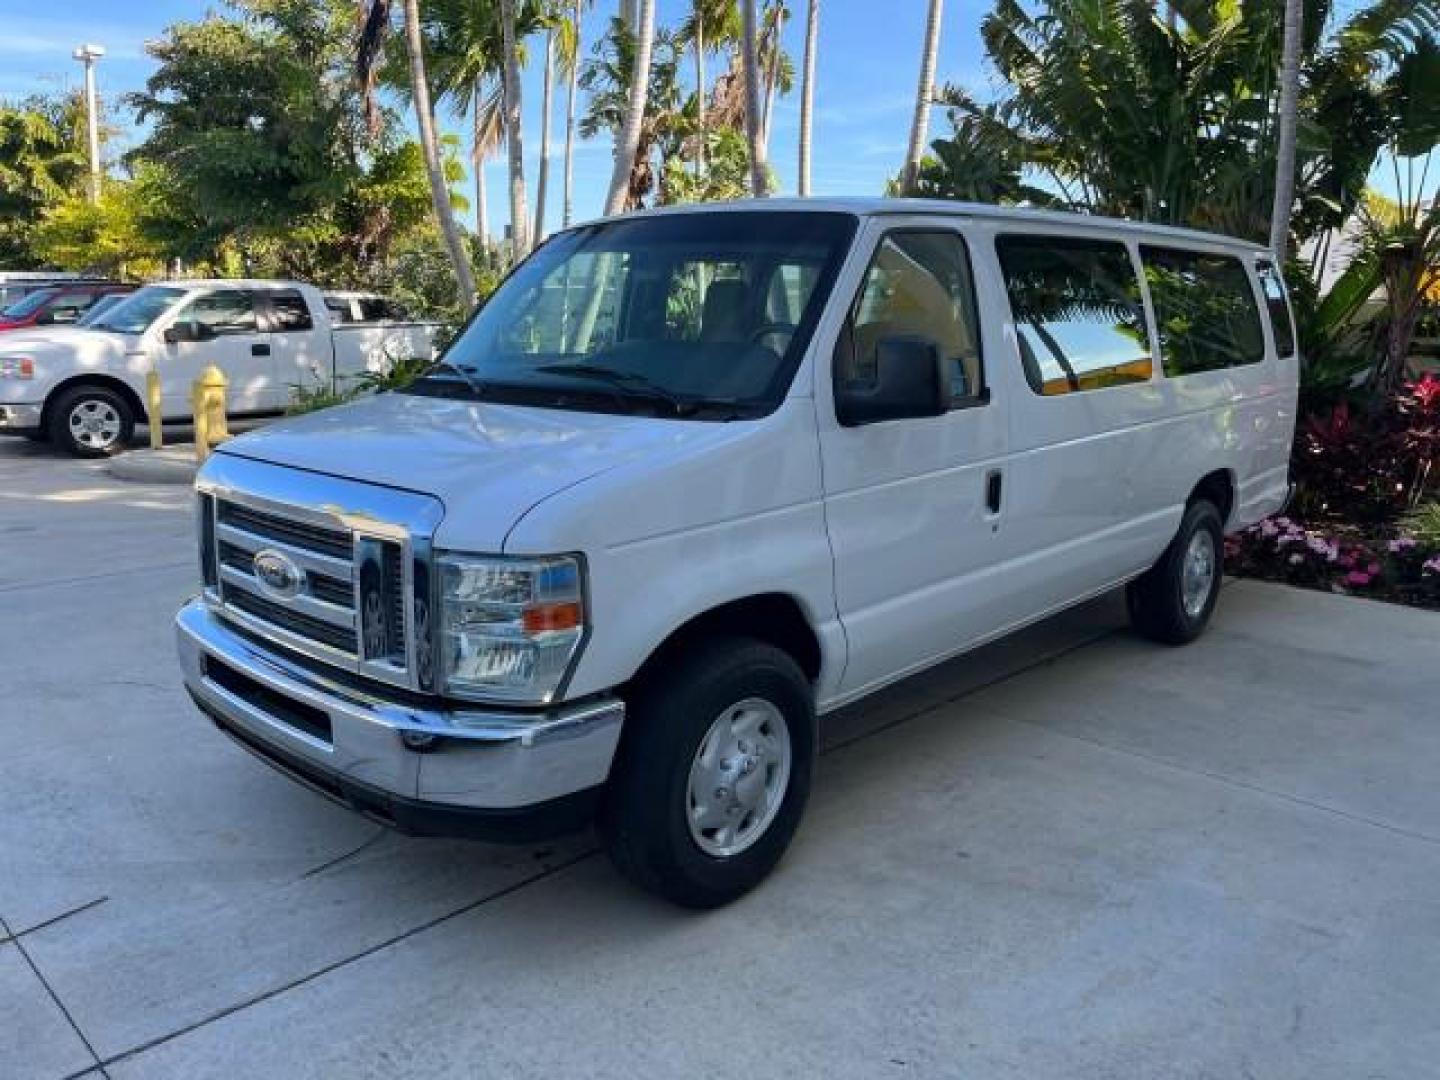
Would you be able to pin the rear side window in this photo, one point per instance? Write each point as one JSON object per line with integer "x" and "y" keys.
{"x": 1204, "y": 310}
{"x": 379, "y": 309}
{"x": 918, "y": 284}
{"x": 1077, "y": 310}
{"x": 288, "y": 312}
{"x": 1278, "y": 307}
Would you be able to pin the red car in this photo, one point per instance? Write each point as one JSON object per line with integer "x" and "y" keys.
{"x": 57, "y": 304}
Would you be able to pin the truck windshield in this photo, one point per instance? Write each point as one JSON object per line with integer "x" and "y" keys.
{"x": 700, "y": 314}
{"x": 28, "y": 305}
{"x": 136, "y": 312}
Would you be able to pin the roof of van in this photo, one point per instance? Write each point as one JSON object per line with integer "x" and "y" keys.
{"x": 875, "y": 206}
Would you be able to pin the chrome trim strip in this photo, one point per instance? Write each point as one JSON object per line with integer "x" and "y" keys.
{"x": 302, "y": 604}
{"x": 306, "y": 559}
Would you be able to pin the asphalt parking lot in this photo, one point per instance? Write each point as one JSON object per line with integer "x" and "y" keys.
{"x": 1073, "y": 854}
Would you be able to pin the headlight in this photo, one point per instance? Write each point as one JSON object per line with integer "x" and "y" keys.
{"x": 17, "y": 367}
{"x": 510, "y": 627}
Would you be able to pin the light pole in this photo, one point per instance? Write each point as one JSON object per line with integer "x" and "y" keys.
{"x": 87, "y": 55}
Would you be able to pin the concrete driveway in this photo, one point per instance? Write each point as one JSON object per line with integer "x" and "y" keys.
{"x": 1074, "y": 854}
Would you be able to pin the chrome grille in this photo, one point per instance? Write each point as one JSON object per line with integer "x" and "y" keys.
{"x": 326, "y": 567}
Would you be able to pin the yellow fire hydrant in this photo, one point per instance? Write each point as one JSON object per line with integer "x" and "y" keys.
{"x": 153, "y": 404}
{"x": 207, "y": 402}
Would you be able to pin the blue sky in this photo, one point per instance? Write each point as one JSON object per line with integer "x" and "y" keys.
{"x": 865, "y": 83}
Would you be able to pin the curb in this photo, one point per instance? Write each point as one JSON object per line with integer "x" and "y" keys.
{"x": 168, "y": 465}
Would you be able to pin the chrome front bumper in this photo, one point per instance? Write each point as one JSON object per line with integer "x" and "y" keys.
{"x": 489, "y": 773}
{"x": 20, "y": 417}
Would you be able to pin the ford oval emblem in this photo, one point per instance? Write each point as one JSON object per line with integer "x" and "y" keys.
{"x": 277, "y": 574}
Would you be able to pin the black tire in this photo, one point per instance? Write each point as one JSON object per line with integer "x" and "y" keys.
{"x": 1156, "y": 599}
{"x": 644, "y": 820}
{"x": 102, "y": 400}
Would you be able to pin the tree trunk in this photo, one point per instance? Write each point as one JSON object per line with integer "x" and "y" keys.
{"x": 477, "y": 160}
{"x": 919, "y": 129}
{"x": 568, "y": 209}
{"x": 807, "y": 95}
{"x": 1289, "y": 118}
{"x": 519, "y": 223}
{"x": 430, "y": 147}
{"x": 759, "y": 181}
{"x": 699, "y": 91}
{"x": 629, "y": 140}
{"x": 772, "y": 77}
{"x": 546, "y": 96}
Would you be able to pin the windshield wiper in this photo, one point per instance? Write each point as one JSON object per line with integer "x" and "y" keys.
{"x": 476, "y": 386}
{"x": 629, "y": 381}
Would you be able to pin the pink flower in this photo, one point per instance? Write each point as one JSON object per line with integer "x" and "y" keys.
{"x": 1401, "y": 543}
{"x": 1431, "y": 566}
{"x": 1357, "y": 577}
{"x": 1373, "y": 569}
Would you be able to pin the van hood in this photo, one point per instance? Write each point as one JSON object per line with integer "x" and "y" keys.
{"x": 493, "y": 461}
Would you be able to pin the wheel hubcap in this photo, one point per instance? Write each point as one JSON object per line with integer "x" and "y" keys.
{"x": 94, "y": 424}
{"x": 738, "y": 778}
{"x": 1197, "y": 575}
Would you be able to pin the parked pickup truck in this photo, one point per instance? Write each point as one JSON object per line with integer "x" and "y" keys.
{"x": 83, "y": 388}
{"x": 692, "y": 478}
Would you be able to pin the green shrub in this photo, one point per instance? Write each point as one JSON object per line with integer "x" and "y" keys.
{"x": 1423, "y": 523}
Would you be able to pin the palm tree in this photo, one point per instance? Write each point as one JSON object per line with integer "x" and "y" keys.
{"x": 519, "y": 223}
{"x": 919, "y": 129}
{"x": 807, "y": 95}
{"x": 629, "y": 140}
{"x": 546, "y": 108}
{"x": 487, "y": 117}
{"x": 570, "y": 64}
{"x": 1287, "y": 121}
{"x": 375, "y": 29}
{"x": 709, "y": 24}
{"x": 759, "y": 181}
{"x": 779, "y": 73}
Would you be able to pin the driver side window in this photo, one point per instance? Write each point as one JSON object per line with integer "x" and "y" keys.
{"x": 918, "y": 285}
{"x": 229, "y": 312}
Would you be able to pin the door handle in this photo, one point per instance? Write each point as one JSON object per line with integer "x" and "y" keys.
{"x": 260, "y": 350}
{"x": 993, "y": 491}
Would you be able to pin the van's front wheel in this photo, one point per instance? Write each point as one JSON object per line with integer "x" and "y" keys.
{"x": 713, "y": 773}
{"x": 1173, "y": 600}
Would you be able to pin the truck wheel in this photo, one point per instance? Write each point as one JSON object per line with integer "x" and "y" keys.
{"x": 1172, "y": 601}
{"x": 713, "y": 773}
{"x": 91, "y": 421}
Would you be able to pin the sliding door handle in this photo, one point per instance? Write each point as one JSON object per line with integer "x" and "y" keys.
{"x": 260, "y": 350}
{"x": 993, "y": 491}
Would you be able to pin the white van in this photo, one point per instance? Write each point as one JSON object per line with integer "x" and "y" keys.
{"x": 83, "y": 387}
{"x": 693, "y": 478}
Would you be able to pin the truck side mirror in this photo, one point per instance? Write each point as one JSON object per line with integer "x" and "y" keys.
{"x": 189, "y": 330}
{"x": 907, "y": 384}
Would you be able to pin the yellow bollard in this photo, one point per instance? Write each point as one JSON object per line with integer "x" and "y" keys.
{"x": 202, "y": 416}
{"x": 207, "y": 403}
{"x": 152, "y": 399}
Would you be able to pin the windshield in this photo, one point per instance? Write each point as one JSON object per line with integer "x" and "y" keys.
{"x": 681, "y": 315}
{"x": 136, "y": 312}
{"x": 99, "y": 307}
{"x": 28, "y": 305}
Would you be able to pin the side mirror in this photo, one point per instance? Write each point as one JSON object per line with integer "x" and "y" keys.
{"x": 908, "y": 384}
{"x": 188, "y": 331}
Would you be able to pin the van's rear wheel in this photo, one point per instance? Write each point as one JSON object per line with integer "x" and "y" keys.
{"x": 1173, "y": 600}
{"x": 91, "y": 421}
{"x": 713, "y": 773}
